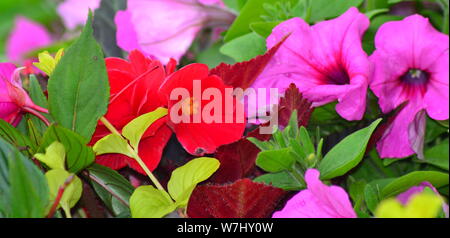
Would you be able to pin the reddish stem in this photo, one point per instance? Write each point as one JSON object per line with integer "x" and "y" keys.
{"x": 37, "y": 114}
{"x": 59, "y": 195}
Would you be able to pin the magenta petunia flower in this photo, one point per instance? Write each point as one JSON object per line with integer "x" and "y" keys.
{"x": 75, "y": 12}
{"x": 14, "y": 100}
{"x": 404, "y": 197}
{"x": 325, "y": 61}
{"x": 25, "y": 37}
{"x": 318, "y": 201}
{"x": 164, "y": 28}
{"x": 410, "y": 64}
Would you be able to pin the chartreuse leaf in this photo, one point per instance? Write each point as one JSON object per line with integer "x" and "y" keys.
{"x": 72, "y": 192}
{"x": 54, "y": 156}
{"x": 149, "y": 202}
{"x": 398, "y": 185}
{"x": 78, "y": 155}
{"x": 134, "y": 130}
{"x": 264, "y": 29}
{"x": 275, "y": 160}
{"x": 185, "y": 178}
{"x": 23, "y": 189}
{"x": 78, "y": 90}
{"x": 347, "y": 153}
{"x": 423, "y": 205}
{"x": 112, "y": 144}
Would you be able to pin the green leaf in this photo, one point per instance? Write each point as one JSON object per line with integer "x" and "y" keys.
{"x": 401, "y": 184}
{"x": 438, "y": 155}
{"x": 275, "y": 160}
{"x": 149, "y": 202}
{"x": 72, "y": 192}
{"x": 264, "y": 29}
{"x": 213, "y": 57}
{"x": 134, "y": 130}
{"x": 54, "y": 156}
{"x": 185, "y": 178}
{"x": 13, "y": 136}
{"x": 372, "y": 192}
{"x": 347, "y": 153}
{"x": 250, "y": 13}
{"x": 23, "y": 187}
{"x": 111, "y": 187}
{"x": 78, "y": 90}
{"x": 112, "y": 144}
{"x": 375, "y": 12}
{"x": 281, "y": 180}
{"x": 326, "y": 9}
{"x": 78, "y": 155}
{"x": 305, "y": 139}
{"x": 245, "y": 47}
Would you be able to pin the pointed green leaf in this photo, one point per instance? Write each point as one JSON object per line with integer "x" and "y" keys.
{"x": 78, "y": 89}
{"x": 275, "y": 160}
{"x": 185, "y": 178}
{"x": 401, "y": 184}
{"x": 23, "y": 188}
{"x": 72, "y": 192}
{"x": 54, "y": 156}
{"x": 149, "y": 202}
{"x": 134, "y": 130}
{"x": 281, "y": 180}
{"x": 305, "y": 139}
{"x": 13, "y": 136}
{"x": 347, "y": 153}
{"x": 78, "y": 154}
{"x": 112, "y": 144}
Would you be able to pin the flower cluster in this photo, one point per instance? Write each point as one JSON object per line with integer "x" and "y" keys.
{"x": 219, "y": 109}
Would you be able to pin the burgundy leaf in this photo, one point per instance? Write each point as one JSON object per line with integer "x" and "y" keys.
{"x": 293, "y": 100}
{"x": 242, "y": 199}
{"x": 243, "y": 74}
{"x": 237, "y": 160}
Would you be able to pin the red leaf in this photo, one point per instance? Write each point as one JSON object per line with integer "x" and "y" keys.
{"x": 242, "y": 199}
{"x": 243, "y": 74}
{"x": 237, "y": 160}
{"x": 293, "y": 100}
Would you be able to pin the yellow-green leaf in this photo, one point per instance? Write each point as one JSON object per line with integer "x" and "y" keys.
{"x": 185, "y": 178}
{"x": 54, "y": 156}
{"x": 112, "y": 144}
{"x": 134, "y": 130}
{"x": 149, "y": 202}
{"x": 72, "y": 193}
{"x": 424, "y": 205}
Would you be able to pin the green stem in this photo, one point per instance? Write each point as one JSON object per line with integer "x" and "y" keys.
{"x": 137, "y": 158}
{"x": 298, "y": 175}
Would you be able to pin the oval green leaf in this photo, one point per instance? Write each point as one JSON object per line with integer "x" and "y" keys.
{"x": 185, "y": 178}
{"x": 72, "y": 192}
{"x": 275, "y": 160}
{"x": 112, "y": 144}
{"x": 149, "y": 202}
{"x": 347, "y": 153}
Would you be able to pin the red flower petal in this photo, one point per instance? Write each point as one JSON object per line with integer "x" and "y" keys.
{"x": 242, "y": 199}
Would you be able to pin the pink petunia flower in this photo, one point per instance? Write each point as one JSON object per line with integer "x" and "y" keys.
{"x": 404, "y": 197}
{"x": 318, "y": 201}
{"x": 165, "y": 28}
{"x": 410, "y": 64}
{"x": 25, "y": 37}
{"x": 325, "y": 61}
{"x": 14, "y": 100}
{"x": 75, "y": 12}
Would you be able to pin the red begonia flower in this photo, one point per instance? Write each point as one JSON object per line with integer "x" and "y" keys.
{"x": 202, "y": 136}
{"x": 133, "y": 89}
